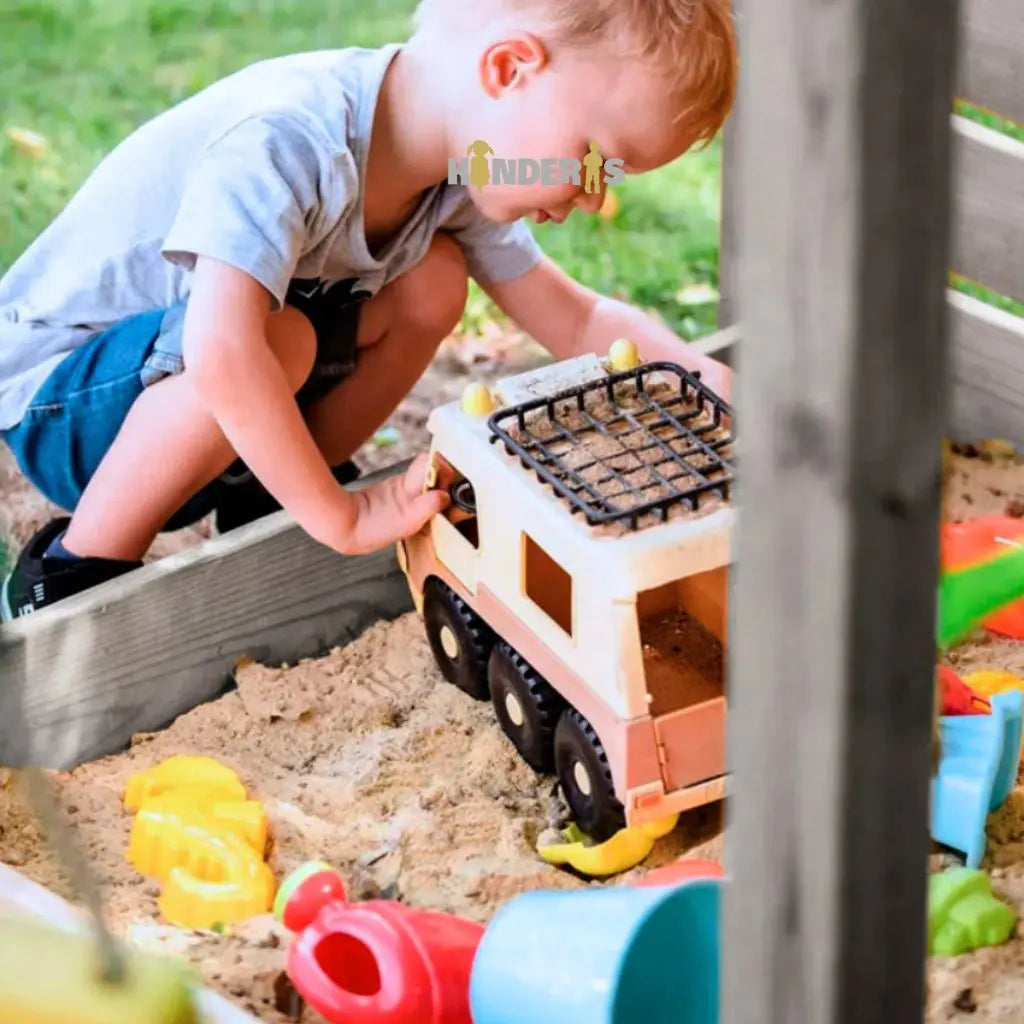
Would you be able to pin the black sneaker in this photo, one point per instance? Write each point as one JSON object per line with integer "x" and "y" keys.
{"x": 38, "y": 581}
{"x": 243, "y": 499}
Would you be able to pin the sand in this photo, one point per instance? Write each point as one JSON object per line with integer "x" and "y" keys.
{"x": 987, "y": 984}
{"x": 684, "y": 663}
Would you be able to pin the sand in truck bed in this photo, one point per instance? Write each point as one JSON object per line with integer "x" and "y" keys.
{"x": 366, "y": 758}
{"x": 643, "y": 448}
{"x": 684, "y": 663}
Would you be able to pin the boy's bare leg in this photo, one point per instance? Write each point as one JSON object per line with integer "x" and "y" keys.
{"x": 168, "y": 449}
{"x": 400, "y": 329}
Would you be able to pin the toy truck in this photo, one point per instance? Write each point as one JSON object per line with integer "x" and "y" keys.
{"x": 578, "y": 579}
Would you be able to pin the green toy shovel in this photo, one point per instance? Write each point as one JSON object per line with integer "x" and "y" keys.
{"x": 969, "y": 595}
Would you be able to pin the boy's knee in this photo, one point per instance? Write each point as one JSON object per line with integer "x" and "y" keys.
{"x": 433, "y": 293}
{"x": 292, "y": 339}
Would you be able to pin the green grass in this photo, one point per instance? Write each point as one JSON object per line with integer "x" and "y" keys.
{"x": 990, "y": 120}
{"x": 84, "y": 73}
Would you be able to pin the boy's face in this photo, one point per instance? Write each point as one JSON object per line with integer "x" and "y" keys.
{"x": 533, "y": 102}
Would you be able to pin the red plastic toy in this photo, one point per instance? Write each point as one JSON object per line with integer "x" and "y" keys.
{"x": 681, "y": 871}
{"x": 957, "y": 697}
{"x": 384, "y": 963}
{"x": 377, "y": 962}
{"x": 973, "y": 541}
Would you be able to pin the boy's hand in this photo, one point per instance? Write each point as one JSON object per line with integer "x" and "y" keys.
{"x": 245, "y": 388}
{"x": 569, "y": 319}
{"x": 391, "y": 510}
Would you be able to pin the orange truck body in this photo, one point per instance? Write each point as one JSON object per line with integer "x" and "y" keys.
{"x": 575, "y": 602}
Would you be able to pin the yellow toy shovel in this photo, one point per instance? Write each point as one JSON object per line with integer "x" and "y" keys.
{"x": 627, "y": 848}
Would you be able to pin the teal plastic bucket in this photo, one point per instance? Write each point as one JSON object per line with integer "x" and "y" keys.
{"x": 602, "y": 956}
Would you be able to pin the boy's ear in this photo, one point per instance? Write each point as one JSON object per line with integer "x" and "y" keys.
{"x": 508, "y": 63}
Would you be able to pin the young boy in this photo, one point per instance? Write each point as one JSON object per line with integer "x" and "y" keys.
{"x": 246, "y": 288}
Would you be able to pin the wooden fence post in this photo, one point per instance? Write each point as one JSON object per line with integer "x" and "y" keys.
{"x": 844, "y": 248}
{"x": 728, "y": 241}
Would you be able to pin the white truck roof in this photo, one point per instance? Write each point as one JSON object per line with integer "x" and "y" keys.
{"x": 630, "y": 557}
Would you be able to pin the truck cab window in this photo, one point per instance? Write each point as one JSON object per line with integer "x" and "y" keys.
{"x": 462, "y": 511}
{"x": 547, "y": 584}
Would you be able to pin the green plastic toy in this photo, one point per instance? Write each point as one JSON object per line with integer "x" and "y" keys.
{"x": 963, "y": 914}
{"x": 968, "y": 596}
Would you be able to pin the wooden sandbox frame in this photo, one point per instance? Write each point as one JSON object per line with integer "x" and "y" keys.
{"x": 846, "y": 187}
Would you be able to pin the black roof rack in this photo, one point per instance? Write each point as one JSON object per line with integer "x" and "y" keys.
{"x": 623, "y": 447}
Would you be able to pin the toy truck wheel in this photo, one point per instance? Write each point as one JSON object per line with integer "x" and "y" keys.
{"x": 586, "y": 778}
{"x": 459, "y": 639}
{"x": 526, "y": 706}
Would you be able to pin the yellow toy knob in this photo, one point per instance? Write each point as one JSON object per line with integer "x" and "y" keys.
{"x": 623, "y": 355}
{"x": 477, "y": 400}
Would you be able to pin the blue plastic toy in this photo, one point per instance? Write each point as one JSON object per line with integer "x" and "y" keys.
{"x": 980, "y": 755}
{"x": 605, "y": 956}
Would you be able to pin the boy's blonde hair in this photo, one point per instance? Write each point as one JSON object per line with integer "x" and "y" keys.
{"x": 692, "y": 41}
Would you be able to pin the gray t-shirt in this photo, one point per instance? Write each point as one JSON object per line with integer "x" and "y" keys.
{"x": 263, "y": 170}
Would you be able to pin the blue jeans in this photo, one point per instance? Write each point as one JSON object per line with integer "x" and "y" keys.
{"x": 80, "y": 408}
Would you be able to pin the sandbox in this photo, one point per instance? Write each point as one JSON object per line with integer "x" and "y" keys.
{"x": 366, "y": 758}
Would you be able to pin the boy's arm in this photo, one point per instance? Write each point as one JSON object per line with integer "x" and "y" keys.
{"x": 246, "y": 391}
{"x": 253, "y": 201}
{"x": 569, "y": 319}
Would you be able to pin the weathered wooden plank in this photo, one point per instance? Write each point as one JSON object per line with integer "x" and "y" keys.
{"x": 721, "y": 344}
{"x": 987, "y": 350}
{"x": 988, "y": 207}
{"x": 991, "y": 58}
{"x": 988, "y": 371}
{"x": 844, "y": 234}
{"x": 132, "y": 655}
{"x": 988, "y": 230}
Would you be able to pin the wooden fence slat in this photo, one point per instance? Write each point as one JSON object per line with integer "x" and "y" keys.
{"x": 988, "y": 371}
{"x": 991, "y": 57}
{"x": 721, "y": 345}
{"x": 844, "y": 246}
{"x": 133, "y": 654}
{"x": 988, "y": 233}
{"x": 987, "y": 352}
{"x": 988, "y": 207}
